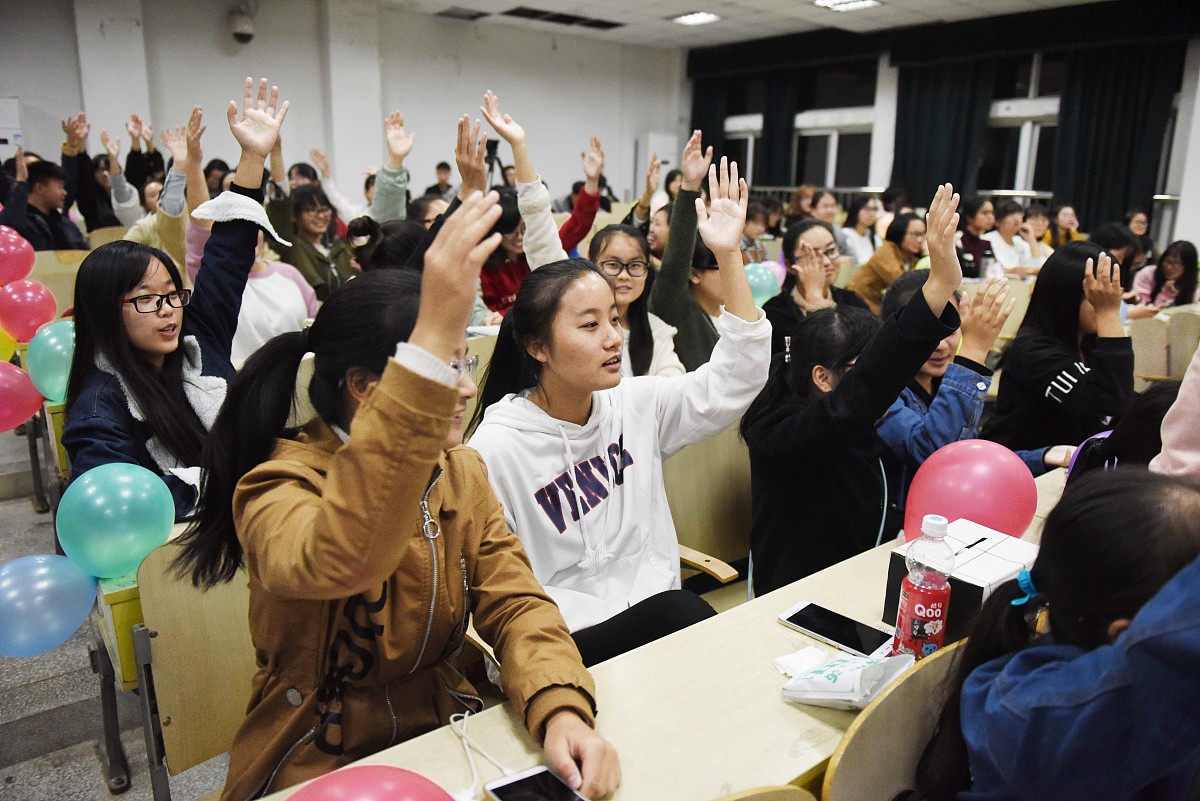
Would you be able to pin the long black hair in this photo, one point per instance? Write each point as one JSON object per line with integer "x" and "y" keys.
{"x": 1137, "y": 437}
{"x": 104, "y": 277}
{"x": 898, "y": 228}
{"x": 1185, "y": 251}
{"x": 1054, "y": 303}
{"x": 790, "y": 238}
{"x": 1059, "y": 236}
{"x": 358, "y": 326}
{"x": 1109, "y": 545}
{"x": 858, "y": 203}
{"x": 641, "y": 338}
{"x": 831, "y": 338}
{"x": 531, "y": 318}
{"x": 388, "y": 246}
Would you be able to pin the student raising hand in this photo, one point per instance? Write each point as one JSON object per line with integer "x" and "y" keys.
{"x": 257, "y": 131}
{"x": 945, "y": 273}
{"x": 1102, "y": 289}
{"x": 721, "y": 227}
{"x": 695, "y": 163}
{"x": 452, "y": 265}
{"x": 982, "y": 318}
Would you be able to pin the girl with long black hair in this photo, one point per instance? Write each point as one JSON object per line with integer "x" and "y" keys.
{"x": 1079, "y": 677}
{"x": 623, "y": 254}
{"x": 369, "y": 536}
{"x": 147, "y": 379}
{"x": 1069, "y": 372}
{"x": 1171, "y": 282}
{"x": 811, "y": 432}
{"x": 575, "y": 451}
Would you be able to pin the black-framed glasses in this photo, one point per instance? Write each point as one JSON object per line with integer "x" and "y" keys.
{"x": 832, "y": 253}
{"x": 466, "y": 367}
{"x": 613, "y": 267}
{"x": 149, "y": 304}
{"x": 319, "y": 211}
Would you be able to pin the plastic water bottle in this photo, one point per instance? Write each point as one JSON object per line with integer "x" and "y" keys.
{"x": 925, "y": 592}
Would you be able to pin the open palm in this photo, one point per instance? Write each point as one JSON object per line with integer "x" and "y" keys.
{"x": 502, "y": 123}
{"x": 258, "y": 129}
{"x": 399, "y": 142}
{"x": 695, "y": 162}
{"x": 722, "y": 223}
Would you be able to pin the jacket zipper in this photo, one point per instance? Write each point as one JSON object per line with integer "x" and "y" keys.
{"x": 387, "y": 697}
{"x": 266, "y": 788}
{"x": 430, "y": 528}
{"x": 462, "y": 565}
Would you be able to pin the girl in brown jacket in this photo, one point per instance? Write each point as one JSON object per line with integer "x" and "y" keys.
{"x": 370, "y": 535}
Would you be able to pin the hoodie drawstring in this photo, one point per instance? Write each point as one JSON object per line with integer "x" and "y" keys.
{"x": 593, "y": 555}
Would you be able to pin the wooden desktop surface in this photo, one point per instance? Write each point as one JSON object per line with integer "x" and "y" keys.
{"x": 698, "y": 714}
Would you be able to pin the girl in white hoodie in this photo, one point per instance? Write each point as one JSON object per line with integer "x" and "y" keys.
{"x": 575, "y": 451}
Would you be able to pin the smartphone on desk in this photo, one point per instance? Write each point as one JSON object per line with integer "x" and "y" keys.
{"x": 860, "y": 639}
{"x": 536, "y": 784}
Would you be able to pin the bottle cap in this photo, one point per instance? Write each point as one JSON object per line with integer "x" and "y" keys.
{"x": 934, "y": 526}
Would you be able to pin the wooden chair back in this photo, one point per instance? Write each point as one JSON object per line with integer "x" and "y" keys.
{"x": 1163, "y": 344}
{"x": 102, "y": 236}
{"x": 877, "y": 757}
{"x": 708, "y": 490}
{"x": 785, "y": 792}
{"x": 202, "y": 659}
{"x": 56, "y": 269}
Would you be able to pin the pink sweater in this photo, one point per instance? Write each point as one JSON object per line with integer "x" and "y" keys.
{"x": 1180, "y": 456}
{"x": 1143, "y": 285}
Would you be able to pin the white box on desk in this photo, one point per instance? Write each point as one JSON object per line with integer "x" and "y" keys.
{"x": 984, "y": 558}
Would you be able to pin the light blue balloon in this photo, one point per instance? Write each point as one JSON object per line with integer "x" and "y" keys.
{"x": 48, "y": 361}
{"x": 112, "y": 516}
{"x": 43, "y": 600}
{"x": 763, "y": 285}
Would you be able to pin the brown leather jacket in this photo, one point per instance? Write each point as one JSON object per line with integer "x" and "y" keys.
{"x": 365, "y": 560}
{"x": 873, "y": 278}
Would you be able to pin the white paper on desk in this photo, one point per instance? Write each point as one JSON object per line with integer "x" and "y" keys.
{"x": 801, "y": 661}
{"x": 483, "y": 330}
{"x": 846, "y": 682}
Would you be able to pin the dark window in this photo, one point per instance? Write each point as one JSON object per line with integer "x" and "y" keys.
{"x": 853, "y": 159}
{"x": 838, "y": 86}
{"x": 812, "y": 152}
{"x": 738, "y": 149}
{"x": 746, "y": 97}
{"x": 1012, "y": 77}
{"x": 1053, "y": 75}
{"x": 1043, "y": 162}
{"x": 998, "y": 159}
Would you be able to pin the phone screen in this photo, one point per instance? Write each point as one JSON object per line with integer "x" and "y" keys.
{"x": 541, "y": 786}
{"x": 829, "y": 624}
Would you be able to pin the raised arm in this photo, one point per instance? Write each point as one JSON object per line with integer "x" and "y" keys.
{"x": 669, "y": 298}
{"x": 640, "y": 213}
{"x": 391, "y": 183}
{"x": 125, "y": 201}
{"x": 587, "y": 204}
{"x": 721, "y": 228}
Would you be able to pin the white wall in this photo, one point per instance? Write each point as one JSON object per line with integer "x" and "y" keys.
{"x": 39, "y": 64}
{"x": 560, "y": 88}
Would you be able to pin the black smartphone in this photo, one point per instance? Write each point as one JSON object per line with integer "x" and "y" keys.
{"x": 838, "y": 630}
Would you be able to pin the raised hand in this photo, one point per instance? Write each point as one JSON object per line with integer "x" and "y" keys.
{"x": 22, "y": 167}
{"x": 77, "y": 128}
{"x": 452, "y": 266}
{"x": 695, "y": 163}
{"x": 945, "y": 273}
{"x": 148, "y": 136}
{"x": 195, "y": 130}
{"x": 470, "y": 151}
{"x": 134, "y": 127}
{"x": 111, "y": 146}
{"x": 721, "y": 224}
{"x": 593, "y": 161}
{"x": 503, "y": 124}
{"x": 983, "y": 317}
{"x": 652, "y": 176}
{"x": 321, "y": 162}
{"x": 399, "y": 143}
{"x": 1102, "y": 289}
{"x": 258, "y": 129}
{"x": 175, "y": 141}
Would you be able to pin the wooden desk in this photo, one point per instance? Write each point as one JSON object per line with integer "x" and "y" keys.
{"x": 1050, "y": 488}
{"x": 695, "y": 715}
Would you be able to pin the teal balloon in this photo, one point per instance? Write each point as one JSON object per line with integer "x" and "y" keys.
{"x": 763, "y": 285}
{"x": 43, "y": 600}
{"x": 112, "y": 516}
{"x": 49, "y": 359}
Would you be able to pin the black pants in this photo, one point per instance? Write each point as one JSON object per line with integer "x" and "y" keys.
{"x": 644, "y": 622}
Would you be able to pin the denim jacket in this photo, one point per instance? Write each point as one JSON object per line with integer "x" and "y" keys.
{"x": 1119, "y": 722}
{"x": 105, "y": 425}
{"x": 914, "y": 427}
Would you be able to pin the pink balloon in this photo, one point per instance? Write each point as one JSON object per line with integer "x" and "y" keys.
{"x": 25, "y": 306}
{"x": 975, "y": 479}
{"x": 16, "y": 256}
{"x": 19, "y": 400}
{"x": 371, "y": 783}
{"x": 779, "y": 271}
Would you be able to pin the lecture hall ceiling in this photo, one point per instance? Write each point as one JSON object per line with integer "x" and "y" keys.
{"x": 647, "y": 22}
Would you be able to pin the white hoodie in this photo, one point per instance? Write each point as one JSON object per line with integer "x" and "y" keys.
{"x": 588, "y": 501}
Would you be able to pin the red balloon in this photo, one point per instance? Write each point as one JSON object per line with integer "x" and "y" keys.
{"x": 371, "y": 783}
{"x": 25, "y": 306}
{"x": 975, "y": 479}
{"x": 19, "y": 400}
{"x": 16, "y": 256}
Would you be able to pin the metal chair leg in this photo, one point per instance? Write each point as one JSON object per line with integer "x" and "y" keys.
{"x": 151, "y": 724}
{"x": 109, "y": 749}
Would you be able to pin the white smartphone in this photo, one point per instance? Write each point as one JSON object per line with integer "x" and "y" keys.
{"x": 860, "y": 639}
{"x": 536, "y": 784}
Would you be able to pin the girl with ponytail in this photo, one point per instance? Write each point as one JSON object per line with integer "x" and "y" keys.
{"x": 1079, "y": 678}
{"x": 575, "y": 450}
{"x": 147, "y": 378}
{"x": 370, "y": 537}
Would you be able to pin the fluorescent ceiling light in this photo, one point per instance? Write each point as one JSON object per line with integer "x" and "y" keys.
{"x": 846, "y": 5}
{"x": 696, "y": 18}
